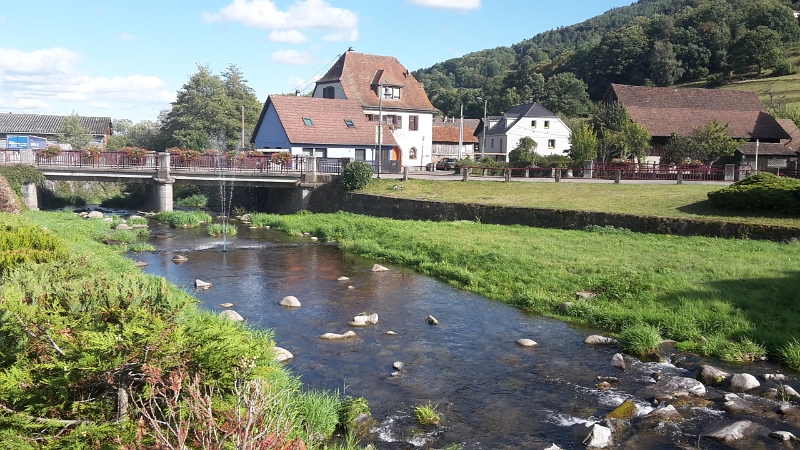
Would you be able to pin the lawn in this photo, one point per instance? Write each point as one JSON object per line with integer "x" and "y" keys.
{"x": 733, "y": 299}
{"x": 668, "y": 200}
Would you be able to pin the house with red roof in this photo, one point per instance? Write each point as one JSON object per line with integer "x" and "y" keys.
{"x": 667, "y": 110}
{"x": 320, "y": 127}
{"x": 446, "y": 133}
{"x": 386, "y": 91}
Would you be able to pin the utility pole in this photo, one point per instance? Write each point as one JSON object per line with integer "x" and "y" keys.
{"x": 485, "y": 126}
{"x": 461, "y": 132}
{"x": 380, "y": 126}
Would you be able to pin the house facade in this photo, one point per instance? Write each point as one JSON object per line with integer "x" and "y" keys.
{"x": 667, "y": 110}
{"x": 23, "y": 131}
{"x": 446, "y": 133}
{"x": 385, "y": 89}
{"x": 502, "y": 133}
{"x": 323, "y": 128}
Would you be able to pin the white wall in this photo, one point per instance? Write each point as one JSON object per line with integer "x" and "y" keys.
{"x": 558, "y": 131}
{"x": 421, "y": 139}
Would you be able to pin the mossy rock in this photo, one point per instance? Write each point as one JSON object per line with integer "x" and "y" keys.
{"x": 624, "y": 411}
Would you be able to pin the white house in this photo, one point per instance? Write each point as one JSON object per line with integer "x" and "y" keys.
{"x": 532, "y": 120}
{"x": 318, "y": 127}
{"x": 383, "y": 87}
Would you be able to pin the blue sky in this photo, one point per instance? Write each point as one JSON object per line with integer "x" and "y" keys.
{"x": 127, "y": 59}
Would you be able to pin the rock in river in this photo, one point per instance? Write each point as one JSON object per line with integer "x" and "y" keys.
{"x": 527, "y": 343}
{"x": 432, "y": 320}
{"x": 281, "y": 354}
{"x": 232, "y": 315}
{"x": 290, "y": 301}
{"x": 671, "y": 387}
{"x": 179, "y": 259}
{"x": 711, "y": 375}
{"x": 379, "y": 268}
{"x": 338, "y": 337}
{"x": 594, "y": 435}
{"x": 743, "y": 382}
{"x": 200, "y": 284}
{"x": 597, "y": 339}
{"x": 731, "y": 432}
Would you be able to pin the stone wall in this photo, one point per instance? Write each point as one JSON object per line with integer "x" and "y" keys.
{"x": 332, "y": 198}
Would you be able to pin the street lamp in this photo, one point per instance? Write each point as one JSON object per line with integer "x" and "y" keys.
{"x": 380, "y": 126}
{"x": 483, "y": 136}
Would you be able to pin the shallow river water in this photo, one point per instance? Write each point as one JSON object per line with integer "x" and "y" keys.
{"x": 491, "y": 393}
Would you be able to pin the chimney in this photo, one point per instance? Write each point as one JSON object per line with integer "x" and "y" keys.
{"x": 350, "y": 49}
{"x": 297, "y": 93}
{"x": 530, "y": 99}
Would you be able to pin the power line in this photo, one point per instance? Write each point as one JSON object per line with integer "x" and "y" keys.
{"x": 304, "y": 85}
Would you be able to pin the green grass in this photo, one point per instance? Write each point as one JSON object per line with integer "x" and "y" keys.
{"x": 183, "y": 219}
{"x": 141, "y": 247}
{"x": 193, "y": 201}
{"x": 640, "y": 339}
{"x": 667, "y": 200}
{"x": 217, "y": 229}
{"x": 137, "y": 220}
{"x": 727, "y": 298}
{"x": 427, "y": 415}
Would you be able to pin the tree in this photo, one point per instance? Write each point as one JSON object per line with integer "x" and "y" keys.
{"x": 566, "y": 94}
{"x": 524, "y": 154}
{"x": 636, "y": 141}
{"x": 620, "y": 58}
{"x": 210, "y": 104}
{"x": 714, "y": 142}
{"x": 761, "y": 48}
{"x": 583, "y": 142}
{"x": 73, "y": 133}
{"x": 665, "y": 69}
{"x": 679, "y": 148}
{"x": 144, "y": 134}
{"x": 527, "y": 81}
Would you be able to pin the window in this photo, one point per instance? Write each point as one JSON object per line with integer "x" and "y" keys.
{"x": 547, "y": 124}
{"x": 315, "y": 152}
{"x": 361, "y": 154}
{"x": 394, "y": 121}
{"x": 328, "y": 92}
{"x": 551, "y": 143}
{"x": 370, "y": 117}
{"x": 349, "y": 123}
{"x": 501, "y": 144}
{"x": 413, "y": 123}
{"x": 391, "y": 92}
{"x": 492, "y": 143}
{"x": 308, "y": 122}
{"x": 412, "y": 154}
{"x": 533, "y": 124}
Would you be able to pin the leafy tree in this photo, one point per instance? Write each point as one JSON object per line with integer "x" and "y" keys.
{"x": 760, "y": 48}
{"x": 665, "y": 69}
{"x": 210, "y": 104}
{"x": 144, "y": 134}
{"x": 714, "y": 142}
{"x": 774, "y": 16}
{"x": 117, "y": 141}
{"x": 636, "y": 140}
{"x": 583, "y": 142}
{"x": 73, "y": 133}
{"x": 679, "y": 148}
{"x": 527, "y": 81}
{"x": 566, "y": 94}
{"x": 619, "y": 58}
{"x": 610, "y": 118}
{"x": 524, "y": 154}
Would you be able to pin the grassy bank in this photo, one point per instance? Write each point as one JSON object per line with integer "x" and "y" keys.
{"x": 733, "y": 299}
{"x": 82, "y": 330}
{"x": 669, "y": 200}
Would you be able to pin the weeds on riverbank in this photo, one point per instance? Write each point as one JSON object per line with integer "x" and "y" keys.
{"x": 427, "y": 415}
{"x": 217, "y": 229}
{"x": 733, "y": 299}
{"x": 183, "y": 219}
{"x": 83, "y": 328}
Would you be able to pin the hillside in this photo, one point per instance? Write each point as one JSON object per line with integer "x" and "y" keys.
{"x": 657, "y": 42}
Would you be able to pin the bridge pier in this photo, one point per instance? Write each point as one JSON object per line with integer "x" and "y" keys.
{"x": 30, "y": 196}
{"x": 159, "y": 193}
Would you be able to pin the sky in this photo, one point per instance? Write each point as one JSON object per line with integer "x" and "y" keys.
{"x": 127, "y": 59}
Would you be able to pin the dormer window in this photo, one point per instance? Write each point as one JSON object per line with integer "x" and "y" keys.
{"x": 308, "y": 122}
{"x": 328, "y": 92}
{"x": 349, "y": 123}
{"x": 391, "y": 92}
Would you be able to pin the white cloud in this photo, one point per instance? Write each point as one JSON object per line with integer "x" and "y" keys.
{"x": 288, "y": 36}
{"x": 47, "y": 81}
{"x": 462, "y": 5}
{"x": 126, "y": 36}
{"x": 292, "y": 57}
{"x": 304, "y": 14}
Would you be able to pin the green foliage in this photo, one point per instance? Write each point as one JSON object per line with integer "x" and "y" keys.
{"x": 133, "y": 196}
{"x": 640, "y": 339}
{"x": 761, "y": 191}
{"x": 790, "y": 354}
{"x": 350, "y": 409}
{"x": 554, "y": 161}
{"x": 193, "y": 201}
{"x": 73, "y": 133}
{"x": 183, "y": 219}
{"x": 218, "y": 229}
{"x": 680, "y": 149}
{"x": 427, "y": 415}
{"x": 583, "y": 142}
{"x": 524, "y": 154}
{"x": 636, "y": 140}
{"x": 19, "y": 174}
{"x": 320, "y": 415}
{"x": 714, "y": 141}
{"x": 356, "y": 175}
{"x": 141, "y": 247}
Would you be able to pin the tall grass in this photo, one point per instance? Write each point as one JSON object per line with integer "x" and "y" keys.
{"x": 183, "y": 219}
{"x": 733, "y": 299}
{"x": 217, "y": 229}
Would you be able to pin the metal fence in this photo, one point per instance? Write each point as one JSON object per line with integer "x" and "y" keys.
{"x": 385, "y": 166}
{"x": 113, "y": 160}
{"x": 609, "y": 171}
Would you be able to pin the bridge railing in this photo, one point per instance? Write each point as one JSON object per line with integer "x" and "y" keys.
{"x": 107, "y": 159}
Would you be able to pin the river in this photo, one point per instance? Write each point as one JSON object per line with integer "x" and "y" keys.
{"x": 491, "y": 392}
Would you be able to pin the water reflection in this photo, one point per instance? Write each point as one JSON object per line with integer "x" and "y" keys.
{"x": 492, "y": 393}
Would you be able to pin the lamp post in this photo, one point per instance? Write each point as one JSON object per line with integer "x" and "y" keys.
{"x": 380, "y": 126}
{"x": 483, "y": 135}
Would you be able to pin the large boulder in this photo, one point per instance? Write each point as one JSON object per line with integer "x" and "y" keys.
{"x": 671, "y": 387}
{"x": 626, "y": 410}
{"x": 592, "y": 435}
{"x": 231, "y": 315}
{"x": 597, "y": 339}
{"x": 290, "y": 301}
{"x": 338, "y": 337}
{"x": 95, "y": 215}
{"x": 660, "y": 415}
{"x": 743, "y": 382}
{"x": 731, "y": 432}
{"x": 527, "y": 343}
{"x": 711, "y": 375}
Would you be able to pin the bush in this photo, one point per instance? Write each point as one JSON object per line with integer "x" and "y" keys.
{"x": 761, "y": 191}
{"x": 19, "y": 174}
{"x": 640, "y": 339}
{"x": 356, "y": 175}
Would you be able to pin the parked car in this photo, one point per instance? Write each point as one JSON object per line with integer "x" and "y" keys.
{"x": 446, "y": 164}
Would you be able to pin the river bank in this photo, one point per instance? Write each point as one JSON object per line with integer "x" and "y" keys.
{"x": 85, "y": 334}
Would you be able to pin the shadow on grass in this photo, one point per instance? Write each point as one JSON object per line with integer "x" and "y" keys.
{"x": 704, "y": 209}
{"x": 764, "y": 310}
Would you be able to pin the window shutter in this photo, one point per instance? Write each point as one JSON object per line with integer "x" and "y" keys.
{"x": 399, "y": 123}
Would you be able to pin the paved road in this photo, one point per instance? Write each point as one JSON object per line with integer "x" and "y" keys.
{"x": 442, "y": 175}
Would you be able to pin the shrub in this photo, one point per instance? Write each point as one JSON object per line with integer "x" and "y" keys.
{"x": 19, "y": 174}
{"x": 427, "y": 415}
{"x": 356, "y": 175}
{"x": 790, "y": 354}
{"x": 217, "y": 229}
{"x": 640, "y": 339}
{"x": 183, "y": 219}
{"x": 193, "y": 201}
{"x": 761, "y": 191}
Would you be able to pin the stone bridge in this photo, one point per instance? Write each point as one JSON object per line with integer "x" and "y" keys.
{"x": 290, "y": 181}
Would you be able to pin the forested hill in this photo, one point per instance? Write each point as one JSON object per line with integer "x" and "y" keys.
{"x": 656, "y": 42}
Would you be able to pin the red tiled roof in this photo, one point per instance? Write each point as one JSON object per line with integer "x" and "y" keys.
{"x": 794, "y": 133}
{"x": 328, "y": 117}
{"x": 446, "y": 133}
{"x": 360, "y": 73}
{"x": 664, "y": 111}
{"x": 767, "y": 149}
